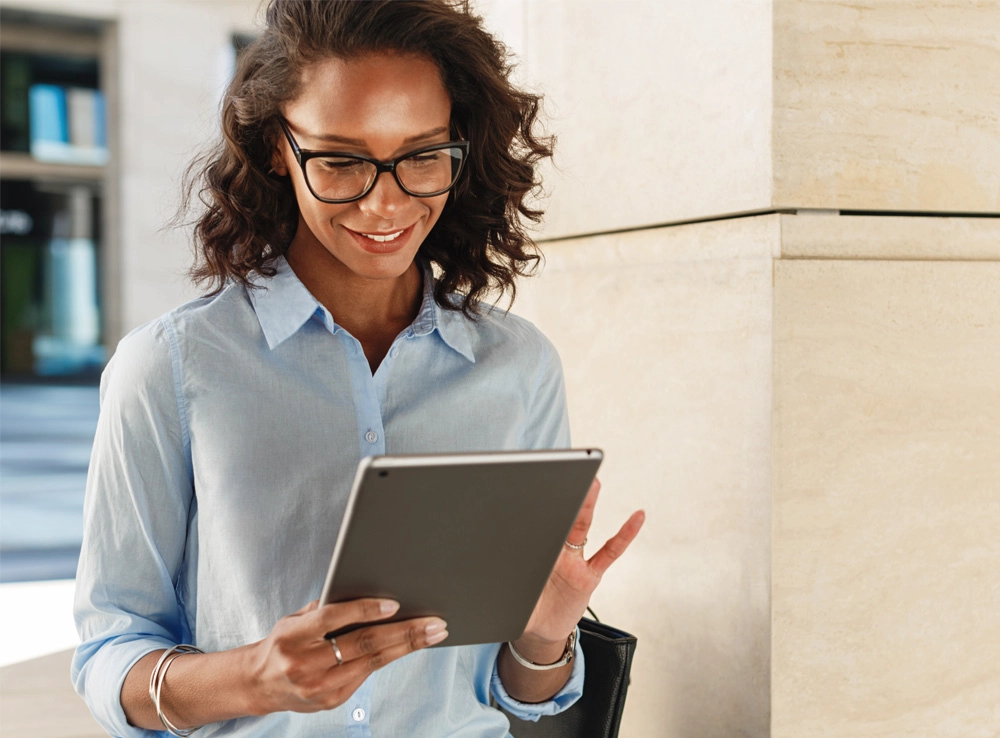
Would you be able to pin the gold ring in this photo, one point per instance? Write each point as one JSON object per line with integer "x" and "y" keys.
{"x": 336, "y": 651}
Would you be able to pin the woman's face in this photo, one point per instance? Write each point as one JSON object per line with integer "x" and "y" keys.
{"x": 381, "y": 106}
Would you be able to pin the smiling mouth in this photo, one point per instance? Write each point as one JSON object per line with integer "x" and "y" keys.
{"x": 382, "y": 237}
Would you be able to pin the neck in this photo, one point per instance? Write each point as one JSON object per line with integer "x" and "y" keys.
{"x": 371, "y": 310}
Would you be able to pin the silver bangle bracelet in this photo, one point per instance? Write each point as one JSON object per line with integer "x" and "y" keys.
{"x": 156, "y": 679}
{"x": 567, "y": 656}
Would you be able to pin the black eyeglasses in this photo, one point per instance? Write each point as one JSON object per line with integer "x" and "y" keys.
{"x": 336, "y": 177}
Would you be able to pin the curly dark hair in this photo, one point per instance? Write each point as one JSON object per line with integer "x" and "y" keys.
{"x": 480, "y": 242}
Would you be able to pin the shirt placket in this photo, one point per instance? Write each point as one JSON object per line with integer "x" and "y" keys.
{"x": 360, "y": 711}
{"x": 381, "y": 377}
{"x": 366, "y": 401}
{"x": 372, "y": 441}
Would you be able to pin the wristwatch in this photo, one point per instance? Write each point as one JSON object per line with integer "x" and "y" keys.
{"x": 565, "y": 659}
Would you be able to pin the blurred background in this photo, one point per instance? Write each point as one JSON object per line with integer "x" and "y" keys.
{"x": 772, "y": 273}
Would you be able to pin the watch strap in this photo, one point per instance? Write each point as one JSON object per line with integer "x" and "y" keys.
{"x": 567, "y": 656}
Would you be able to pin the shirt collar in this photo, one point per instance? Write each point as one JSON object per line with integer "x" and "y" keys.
{"x": 451, "y": 325}
{"x": 283, "y": 305}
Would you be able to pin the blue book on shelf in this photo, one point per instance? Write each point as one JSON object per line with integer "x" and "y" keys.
{"x": 49, "y": 122}
{"x": 100, "y": 121}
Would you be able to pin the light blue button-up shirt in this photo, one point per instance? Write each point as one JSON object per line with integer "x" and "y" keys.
{"x": 229, "y": 433}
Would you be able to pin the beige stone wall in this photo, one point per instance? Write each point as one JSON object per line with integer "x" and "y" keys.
{"x": 887, "y": 360}
{"x": 885, "y": 105}
{"x": 662, "y": 109}
{"x": 665, "y": 336}
{"x": 886, "y": 498}
{"x": 883, "y": 368}
{"x": 695, "y": 110}
{"x": 877, "y": 605}
{"x": 890, "y": 237}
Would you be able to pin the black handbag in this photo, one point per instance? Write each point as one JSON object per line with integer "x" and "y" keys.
{"x": 607, "y": 654}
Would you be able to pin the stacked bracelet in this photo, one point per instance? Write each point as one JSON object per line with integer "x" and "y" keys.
{"x": 156, "y": 678}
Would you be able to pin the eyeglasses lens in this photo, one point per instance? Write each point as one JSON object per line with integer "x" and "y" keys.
{"x": 422, "y": 173}
{"x": 339, "y": 178}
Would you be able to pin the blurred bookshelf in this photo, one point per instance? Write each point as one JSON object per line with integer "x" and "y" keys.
{"x": 59, "y": 291}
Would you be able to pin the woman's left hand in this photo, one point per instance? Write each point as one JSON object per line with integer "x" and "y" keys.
{"x": 575, "y": 577}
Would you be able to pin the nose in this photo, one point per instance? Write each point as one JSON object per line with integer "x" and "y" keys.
{"x": 386, "y": 198}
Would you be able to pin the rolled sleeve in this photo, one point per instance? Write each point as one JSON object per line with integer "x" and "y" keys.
{"x": 565, "y": 698}
{"x": 136, "y": 511}
{"x": 99, "y": 671}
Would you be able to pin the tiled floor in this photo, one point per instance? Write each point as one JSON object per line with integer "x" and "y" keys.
{"x": 38, "y": 701}
{"x": 37, "y": 636}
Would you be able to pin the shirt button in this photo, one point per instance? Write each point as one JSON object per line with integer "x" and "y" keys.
{"x": 393, "y": 351}
{"x": 358, "y": 715}
{"x": 371, "y": 436}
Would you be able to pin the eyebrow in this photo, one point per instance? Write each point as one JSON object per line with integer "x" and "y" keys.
{"x": 334, "y": 139}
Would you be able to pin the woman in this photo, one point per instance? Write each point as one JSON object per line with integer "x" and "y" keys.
{"x": 230, "y": 428}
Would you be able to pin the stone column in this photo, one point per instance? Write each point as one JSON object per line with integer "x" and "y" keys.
{"x": 773, "y": 258}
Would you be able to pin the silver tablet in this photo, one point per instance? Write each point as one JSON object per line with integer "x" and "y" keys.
{"x": 471, "y": 538}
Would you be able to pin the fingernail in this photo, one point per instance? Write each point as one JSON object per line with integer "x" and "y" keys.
{"x": 435, "y": 626}
{"x": 437, "y": 637}
{"x": 388, "y": 607}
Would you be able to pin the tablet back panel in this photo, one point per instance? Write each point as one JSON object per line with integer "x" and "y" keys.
{"x": 470, "y": 538}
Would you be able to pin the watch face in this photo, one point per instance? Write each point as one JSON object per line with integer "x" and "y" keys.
{"x": 570, "y": 647}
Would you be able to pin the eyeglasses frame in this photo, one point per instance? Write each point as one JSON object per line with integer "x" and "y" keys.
{"x": 304, "y": 155}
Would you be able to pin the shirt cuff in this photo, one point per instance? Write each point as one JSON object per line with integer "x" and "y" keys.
{"x": 565, "y": 698}
{"x": 98, "y": 672}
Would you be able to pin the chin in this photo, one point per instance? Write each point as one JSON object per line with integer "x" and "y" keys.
{"x": 383, "y": 266}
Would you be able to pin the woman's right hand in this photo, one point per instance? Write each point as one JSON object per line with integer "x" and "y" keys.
{"x": 295, "y": 668}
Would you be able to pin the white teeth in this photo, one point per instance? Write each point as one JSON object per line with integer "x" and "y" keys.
{"x": 383, "y": 239}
